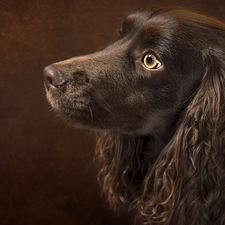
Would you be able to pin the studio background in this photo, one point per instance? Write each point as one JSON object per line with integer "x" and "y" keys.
{"x": 47, "y": 175}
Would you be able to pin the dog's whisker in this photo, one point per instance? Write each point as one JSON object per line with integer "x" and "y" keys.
{"x": 57, "y": 115}
{"x": 106, "y": 107}
{"x": 91, "y": 114}
{"x": 100, "y": 121}
{"x": 106, "y": 103}
{"x": 50, "y": 110}
{"x": 70, "y": 114}
{"x": 107, "y": 110}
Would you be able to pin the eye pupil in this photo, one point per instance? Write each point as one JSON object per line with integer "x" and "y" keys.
{"x": 149, "y": 59}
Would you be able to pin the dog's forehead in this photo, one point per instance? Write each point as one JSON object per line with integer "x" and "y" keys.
{"x": 148, "y": 23}
{"x": 142, "y": 19}
{"x": 148, "y": 28}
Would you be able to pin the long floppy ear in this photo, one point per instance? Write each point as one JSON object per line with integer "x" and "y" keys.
{"x": 119, "y": 162}
{"x": 123, "y": 163}
{"x": 187, "y": 182}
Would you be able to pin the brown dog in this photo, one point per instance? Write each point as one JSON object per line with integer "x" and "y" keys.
{"x": 157, "y": 99}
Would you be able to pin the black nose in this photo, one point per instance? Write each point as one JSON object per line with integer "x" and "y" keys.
{"x": 53, "y": 78}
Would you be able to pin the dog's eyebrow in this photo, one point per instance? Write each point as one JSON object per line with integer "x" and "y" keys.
{"x": 150, "y": 35}
{"x": 151, "y": 31}
{"x": 133, "y": 21}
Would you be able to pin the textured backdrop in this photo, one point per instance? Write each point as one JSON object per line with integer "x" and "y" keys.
{"x": 47, "y": 175}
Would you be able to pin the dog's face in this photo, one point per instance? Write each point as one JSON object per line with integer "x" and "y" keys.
{"x": 135, "y": 85}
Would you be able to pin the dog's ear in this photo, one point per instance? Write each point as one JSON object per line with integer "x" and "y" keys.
{"x": 191, "y": 168}
{"x": 119, "y": 159}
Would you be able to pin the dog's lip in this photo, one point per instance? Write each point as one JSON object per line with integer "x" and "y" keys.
{"x": 63, "y": 109}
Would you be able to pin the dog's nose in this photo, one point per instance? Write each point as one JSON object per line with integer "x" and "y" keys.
{"x": 53, "y": 77}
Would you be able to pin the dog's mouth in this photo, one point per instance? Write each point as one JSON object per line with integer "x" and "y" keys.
{"x": 71, "y": 101}
{"x": 77, "y": 113}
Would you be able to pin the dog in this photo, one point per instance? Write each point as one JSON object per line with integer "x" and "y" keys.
{"x": 156, "y": 100}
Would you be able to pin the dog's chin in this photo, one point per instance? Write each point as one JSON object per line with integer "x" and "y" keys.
{"x": 75, "y": 123}
{"x": 72, "y": 117}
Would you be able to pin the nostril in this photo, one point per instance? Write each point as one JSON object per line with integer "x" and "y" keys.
{"x": 53, "y": 77}
{"x": 49, "y": 80}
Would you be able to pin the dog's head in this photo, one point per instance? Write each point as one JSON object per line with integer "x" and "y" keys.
{"x": 142, "y": 82}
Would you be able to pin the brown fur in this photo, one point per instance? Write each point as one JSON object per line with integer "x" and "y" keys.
{"x": 160, "y": 132}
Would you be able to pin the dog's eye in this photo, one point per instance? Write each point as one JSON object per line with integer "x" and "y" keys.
{"x": 151, "y": 62}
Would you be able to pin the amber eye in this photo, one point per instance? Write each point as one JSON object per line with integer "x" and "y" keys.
{"x": 151, "y": 62}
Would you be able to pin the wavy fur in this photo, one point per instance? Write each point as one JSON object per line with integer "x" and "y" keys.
{"x": 185, "y": 182}
{"x": 161, "y": 131}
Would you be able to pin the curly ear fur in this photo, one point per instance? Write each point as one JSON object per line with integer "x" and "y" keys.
{"x": 124, "y": 161}
{"x": 121, "y": 166}
{"x": 189, "y": 175}
{"x": 190, "y": 168}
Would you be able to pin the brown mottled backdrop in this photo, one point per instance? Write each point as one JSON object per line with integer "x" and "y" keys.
{"x": 47, "y": 175}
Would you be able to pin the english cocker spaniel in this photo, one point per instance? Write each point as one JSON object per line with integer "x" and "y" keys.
{"x": 156, "y": 99}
